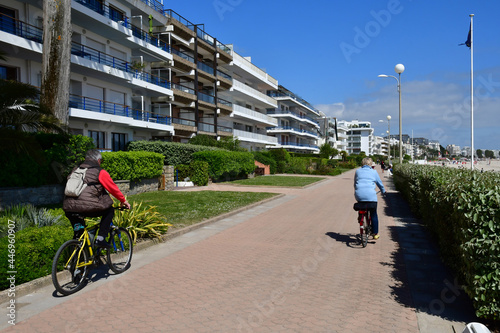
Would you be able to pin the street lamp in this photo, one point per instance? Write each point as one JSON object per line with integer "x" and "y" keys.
{"x": 399, "y": 68}
{"x": 389, "y": 135}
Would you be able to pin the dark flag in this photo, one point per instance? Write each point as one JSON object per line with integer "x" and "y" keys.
{"x": 468, "y": 41}
{"x": 336, "y": 133}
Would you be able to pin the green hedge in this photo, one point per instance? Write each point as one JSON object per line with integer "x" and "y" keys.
{"x": 462, "y": 209}
{"x": 226, "y": 163}
{"x": 132, "y": 165}
{"x": 197, "y": 171}
{"x": 34, "y": 251}
{"x": 175, "y": 153}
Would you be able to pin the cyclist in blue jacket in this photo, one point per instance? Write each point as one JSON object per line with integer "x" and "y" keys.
{"x": 365, "y": 180}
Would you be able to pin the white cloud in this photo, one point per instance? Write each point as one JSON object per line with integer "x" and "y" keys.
{"x": 432, "y": 109}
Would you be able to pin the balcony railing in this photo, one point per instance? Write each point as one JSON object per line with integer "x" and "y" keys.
{"x": 254, "y": 114}
{"x": 224, "y": 75}
{"x": 183, "y": 88}
{"x": 296, "y": 130}
{"x": 96, "y": 105}
{"x": 19, "y": 28}
{"x": 297, "y": 144}
{"x": 224, "y": 102}
{"x": 293, "y": 96}
{"x": 89, "y": 53}
{"x": 156, "y": 5}
{"x": 224, "y": 129}
{"x": 183, "y": 55}
{"x": 205, "y": 68}
{"x": 293, "y": 114}
{"x": 206, "y": 98}
{"x": 181, "y": 121}
{"x": 199, "y": 32}
{"x": 149, "y": 38}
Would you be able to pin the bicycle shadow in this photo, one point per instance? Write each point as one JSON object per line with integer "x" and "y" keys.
{"x": 350, "y": 240}
{"x": 98, "y": 272}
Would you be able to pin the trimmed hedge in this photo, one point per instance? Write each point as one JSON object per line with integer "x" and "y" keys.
{"x": 462, "y": 209}
{"x": 34, "y": 251}
{"x": 226, "y": 163}
{"x": 265, "y": 158}
{"x": 175, "y": 153}
{"x": 132, "y": 165}
{"x": 197, "y": 171}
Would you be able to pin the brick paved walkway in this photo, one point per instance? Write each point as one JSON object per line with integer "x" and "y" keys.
{"x": 292, "y": 265}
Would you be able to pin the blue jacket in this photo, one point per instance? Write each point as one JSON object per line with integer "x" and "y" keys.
{"x": 365, "y": 180}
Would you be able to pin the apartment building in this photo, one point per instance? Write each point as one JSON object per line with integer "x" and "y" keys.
{"x": 249, "y": 119}
{"x": 298, "y": 127}
{"x": 138, "y": 72}
{"x": 359, "y": 137}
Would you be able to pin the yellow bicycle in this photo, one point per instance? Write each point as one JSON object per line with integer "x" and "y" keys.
{"x": 75, "y": 258}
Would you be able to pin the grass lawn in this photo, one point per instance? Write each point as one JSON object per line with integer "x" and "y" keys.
{"x": 279, "y": 181}
{"x": 185, "y": 208}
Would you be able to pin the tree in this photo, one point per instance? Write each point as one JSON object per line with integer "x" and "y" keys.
{"x": 20, "y": 114}
{"x": 489, "y": 154}
{"x": 327, "y": 151}
{"x": 479, "y": 153}
{"x": 56, "y": 57}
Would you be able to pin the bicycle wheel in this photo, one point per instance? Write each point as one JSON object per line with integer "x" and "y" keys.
{"x": 120, "y": 254}
{"x": 67, "y": 275}
{"x": 363, "y": 231}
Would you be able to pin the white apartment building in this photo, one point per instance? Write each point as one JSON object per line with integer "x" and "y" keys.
{"x": 138, "y": 72}
{"x": 298, "y": 128}
{"x": 249, "y": 118}
{"x": 359, "y": 137}
{"x": 380, "y": 146}
{"x": 342, "y": 130}
{"x": 327, "y": 130}
{"x": 453, "y": 150}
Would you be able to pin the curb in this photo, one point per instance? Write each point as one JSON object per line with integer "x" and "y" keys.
{"x": 44, "y": 281}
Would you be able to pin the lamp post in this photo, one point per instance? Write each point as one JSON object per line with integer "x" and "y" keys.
{"x": 399, "y": 68}
{"x": 389, "y": 133}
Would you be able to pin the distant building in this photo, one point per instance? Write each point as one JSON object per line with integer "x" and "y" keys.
{"x": 359, "y": 137}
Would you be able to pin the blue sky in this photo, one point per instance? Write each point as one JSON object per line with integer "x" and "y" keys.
{"x": 330, "y": 52}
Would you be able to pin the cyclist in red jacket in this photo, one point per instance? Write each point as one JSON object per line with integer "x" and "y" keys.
{"x": 94, "y": 201}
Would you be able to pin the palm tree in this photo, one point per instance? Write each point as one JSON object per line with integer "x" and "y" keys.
{"x": 20, "y": 114}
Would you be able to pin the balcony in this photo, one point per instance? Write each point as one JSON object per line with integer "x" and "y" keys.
{"x": 255, "y": 137}
{"x": 136, "y": 118}
{"x": 297, "y": 146}
{"x": 298, "y": 99}
{"x": 247, "y": 114}
{"x": 292, "y": 130}
{"x": 14, "y": 26}
{"x": 248, "y": 91}
{"x": 242, "y": 64}
{"x": 296, "y": 116}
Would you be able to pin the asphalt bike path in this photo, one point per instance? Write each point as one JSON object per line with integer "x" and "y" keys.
{"x": 293, "y": 264}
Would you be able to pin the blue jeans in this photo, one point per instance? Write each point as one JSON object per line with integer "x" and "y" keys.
{"x": 374, "y": 216}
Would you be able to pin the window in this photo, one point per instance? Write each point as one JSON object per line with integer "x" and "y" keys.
{"x": 7, "y": 20}
{"x": 115, "y": 14}
{"x": 99, "y": 139}
{"x": 118, "y": 142}
{"x": 8, "y": 73}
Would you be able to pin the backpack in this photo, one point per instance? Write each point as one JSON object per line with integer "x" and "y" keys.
{"x": 76, "y": 185}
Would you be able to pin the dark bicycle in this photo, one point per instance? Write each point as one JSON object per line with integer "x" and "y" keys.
{"x": 364, "y": 220}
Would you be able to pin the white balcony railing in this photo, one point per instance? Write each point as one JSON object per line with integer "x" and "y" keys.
{"x": 254, "y": 115}
{"x": 256, "y": 71}
{"x": 255, "y": 137}
{"x": 237, "y": 85}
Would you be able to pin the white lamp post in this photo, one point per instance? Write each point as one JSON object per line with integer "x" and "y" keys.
{"x": 389, "y": 133}
{"x": 399, "y": 68}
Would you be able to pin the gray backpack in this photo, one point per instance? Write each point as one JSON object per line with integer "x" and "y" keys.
{"x": 76, "y": 184}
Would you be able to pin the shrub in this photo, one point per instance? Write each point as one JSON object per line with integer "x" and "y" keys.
{"x": 35, "y": 249}
{"x": 175, "y": 153}
{"x": 225, "y": 163}
{"x": 135, "y": 165}
{"x": 139, "y": 220}
{"x": 199, "y": 173}
{"x": 183, "y": 172}
{"x": 462, "y": 209}
{"x": 27, "y": 215}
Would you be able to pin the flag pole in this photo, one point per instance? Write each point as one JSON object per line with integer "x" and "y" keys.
{"x": 471, "y": 93}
